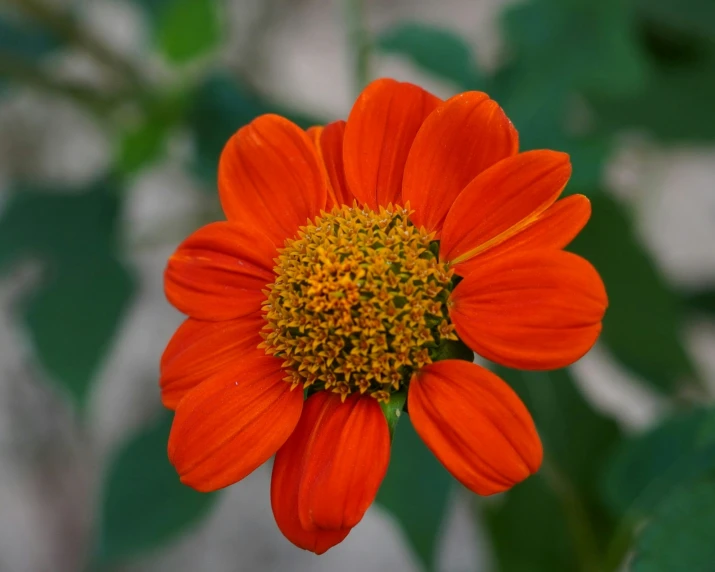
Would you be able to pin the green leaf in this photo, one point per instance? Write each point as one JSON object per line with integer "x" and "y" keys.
{"x": 73, "y": 320}
{"x": 588, "y": 45}
{"x": 187, "y": 29}
{"x": 695, "y": 17}
{"x": 24, "y": 40}
{"x": 706, "y": 434}
{"x": 145, "y": 142}
{"x": 588, "y": 158}
{"x": 530, "y": 530}
{"x": 642, "y": 326}
{"x": 702, "y": 301}
{"x": 562, "y": 50}
{"x": 681, "y": 75}
{"x": 440, "y": 52}
{"x": 144, "y": 504}
{"x": 647, "y": 469}
{"x": 415, "y": 491}
{"x": 20, "y": 40}
{"x": 577, "y": 439}
{"x": 141, "y": 145}
{"x": 539, "y": 107}
{"x": 556, "y": 518}
{"x": 680, "y": 535}
{"x": 74, "y": 313}
{"x": 690, "y": 89}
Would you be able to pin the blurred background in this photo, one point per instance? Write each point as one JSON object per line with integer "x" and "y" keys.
{"x": 112, "y": 117}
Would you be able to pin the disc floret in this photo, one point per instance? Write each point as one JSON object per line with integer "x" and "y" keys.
{"x": 359, "y": 302}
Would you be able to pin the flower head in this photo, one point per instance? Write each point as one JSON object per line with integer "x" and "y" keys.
{"x": 359, "y": 302}
{"x": 352, "y": 256}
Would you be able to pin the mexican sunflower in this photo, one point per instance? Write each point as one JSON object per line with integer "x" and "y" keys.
{"x": 353, "y": 257}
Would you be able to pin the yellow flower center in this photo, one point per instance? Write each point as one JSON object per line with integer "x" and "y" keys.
{"x": 359, "y": 302}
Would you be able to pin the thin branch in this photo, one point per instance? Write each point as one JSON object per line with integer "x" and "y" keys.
{"x": 65, "y": 26}
{"x": 26, "y": 73}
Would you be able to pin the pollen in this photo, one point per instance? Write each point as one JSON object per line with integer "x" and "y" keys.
{"x": 359, "y": 302}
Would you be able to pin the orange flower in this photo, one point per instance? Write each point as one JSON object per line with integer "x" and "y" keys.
{"x": 352, "y": 256}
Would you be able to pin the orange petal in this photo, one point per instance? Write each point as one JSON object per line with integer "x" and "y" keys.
{"x": 329, "y": 143}
{"x": 314, "y": 134}
{"x": 556, "y": 227}
{"x": 270, "y": 178}
{"x": 465, "y": 135}
{"x": 539, "y": 309}
{"x": 327, "y": 474}
{"x": 218, "y": 272}
{"x": 285, "y": 497}
{"x": 378, "y": 136}
{"x": 199, "y": 349}
{"x": 233, "y": 422}
{"x": 502, "y": 201}
{"x": 475, "y": 425}
{"x": 285, "y": 511}
{"x": 346, "y": 454}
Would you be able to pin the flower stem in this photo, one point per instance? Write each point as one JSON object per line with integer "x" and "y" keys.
{"x": 577, "y": 517}
{"x": 573, "y": 503}
{"x": 359, "y": 41}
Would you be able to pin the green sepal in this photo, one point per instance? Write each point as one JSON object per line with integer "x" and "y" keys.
{"x": 394, "y": 409}
{"x": 452, "y": 349}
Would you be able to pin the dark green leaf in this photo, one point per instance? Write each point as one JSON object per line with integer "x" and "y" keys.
{"x": 540, "y": 106}
{"x": 681, "y": 76}
{"x": 577, "y": 439}
{"x": 642, "y": 326}
{"x": 706, "y": 435}
{"x": 647, "y": 469}
{"x": 588, "y": 158}
{"x": 679, "y": 538}
{"x": 22, "y": 39}
{"x": 689, "y": 89}
{"x": 689, "y": 16}
{"x": 440, "y": 52}
{"x": 588, "y": 45}
{"x": 530, "y": 530}
{"x": 556, "y": 519}
{"x": 703, "y": 301}
{"x": 560, "y": 50}
{"x": 144, "y": 504}
{"x": 188, "y": 28}
{"x": 415, "y": 491}
{"x": 73, "y": 315}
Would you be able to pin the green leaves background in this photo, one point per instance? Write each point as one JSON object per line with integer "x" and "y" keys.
{"x": 575, "y": 75}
